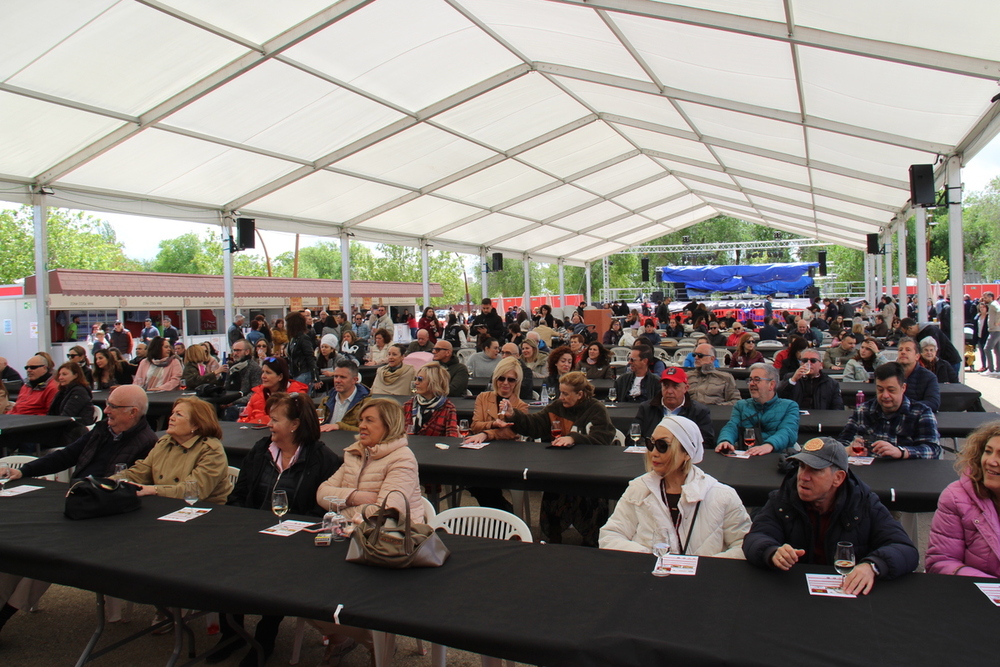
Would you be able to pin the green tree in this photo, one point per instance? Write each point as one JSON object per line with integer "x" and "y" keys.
{"x": 76, "y": 241}
{"x": 937, "y": 270}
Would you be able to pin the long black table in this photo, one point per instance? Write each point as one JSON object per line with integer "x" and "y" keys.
{"x": 955, "y": 397}
{"x": 478, "y": 385}
{"x": 18, "y": 429}
{"x": 539, "y": 604}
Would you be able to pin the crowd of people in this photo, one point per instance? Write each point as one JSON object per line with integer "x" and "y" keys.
{"x": 279, "y": 381}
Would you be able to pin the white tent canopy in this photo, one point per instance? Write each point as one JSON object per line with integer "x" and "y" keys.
{"x": 556, "y": 130}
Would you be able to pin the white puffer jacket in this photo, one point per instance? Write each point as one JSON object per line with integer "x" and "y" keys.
{"x": 641, "y": 519}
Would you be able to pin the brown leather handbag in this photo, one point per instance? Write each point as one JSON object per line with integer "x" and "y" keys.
{"x": 373, "y": 542}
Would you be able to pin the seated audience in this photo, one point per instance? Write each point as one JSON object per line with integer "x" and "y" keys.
{"x": 965, "y": 532}
{"x": 458, "y": 383}
{"x": 823, "y": 503}
{"x": 746, "y": 354}
{"x": 891, "y": 425}
{"x": 481, "y": 364}
{"x": 78, "y": 354}
{"x": 39, "y": 390}
{"x": 715, "y": 338}
{"x": 423, "y": 342}
{"x": 513, "y": 350}
{"x": 861, "y": 367}
{"x": 737, "y": 333}
{"x": 639, "y": 384}
{"x": 673, "y": 400}
{"x": 559, "y": 363}
{"x": 326, "y": 361}
{"x": 613, "y": 334}
{"x": 787, "y": 360}
{"x": 946, "y": 350}
{"x": 160, "y": 370}
{"x": 596, "y": 364}
{"x": 346, "y": 401}
{"x": 274, "y": 378}
{"x": 74, "y": 398}
{"x": 242, "y": 374}
{"x": 650, "y": 336}
{"x": 676, "y": 502}
{"x": 394, "y": 377}
{"x": 537, "y": 362}
{"x": 921, "y": 384}
{"x": 377, "y": 352}
{"x": 775, "y": 420}
{"x": 770, "y": 329}
{"x": 944, "y": 371}
{"x": 195, "y": 371}
{"x": 810, "y": 387}
{"x": 709, "y": 385}
{"x": 430, "y": 412}
{"x": 109, "y": 372}
{"x": 351, "y": 347}
{"x": 836, "y": 358}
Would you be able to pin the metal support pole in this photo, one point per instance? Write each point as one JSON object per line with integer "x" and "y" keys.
{"x": 921, "y": 215}
{"x": 562, "y": 284}
{"x": 956, "y": 256}
{"x": 587, "y": 270}
{"x": 40, "y": 214}
{"x": 227, "y": 271}
{"x": 877, "y": 274}
{"x": 484, "y": 274}
{"x": 901, "y": 243}
{"x": 868, "y": 281}
{"x": 607, "y": 279}
{"x": 345, "y": 270}
{"x": 424, "y": 276}
{"x": 527, "y": 284}
{"x": 887, "y": 281}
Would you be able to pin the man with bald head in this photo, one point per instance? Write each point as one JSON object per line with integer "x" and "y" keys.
{"x": 422, "y": 343}
{"x": 7, "y": 373}
{"x": 39, "y": 389}
{"x": 459, "y": 373}
{"x": 708, "y": 385}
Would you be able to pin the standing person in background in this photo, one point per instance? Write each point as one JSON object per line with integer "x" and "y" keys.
{"x": 149, "y": 332}
{"x": 429, "y": 323}
{"x": 254, "y": 334}
{"x": 121, "y": 338}
{"x": 360, "y": 329}
{"x": 279, "y": 336}
{"x": 236, "y": 329}
{"x": 73, "y": 329}
{"x": 170, "y": 331}
{"x": 300, "y": 350}
{"x": 487, "y": 322}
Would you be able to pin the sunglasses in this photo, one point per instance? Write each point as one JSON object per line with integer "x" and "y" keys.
{"x": 661, "y": 445}
{"x": 506, "y": 379}
{"x": 698, "y": 355}
{"x": 439, "y": 349}
{"x": 72, "y": 355}
{"x": 810, "y": 361}
{"x": 30, "y": 367}
{"x": 419, "y": 378}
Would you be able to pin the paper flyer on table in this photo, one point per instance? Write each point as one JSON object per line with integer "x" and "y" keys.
{"x": 18, "y": 490}
{"x": 185, "y": 514}
{"x": 683, "y": 565}
{"x": 992, "y": 591}
{"x": 635, "y": 449}
{"x": 286, "y": 528}
{"x": 740, "y": 454}
{"x": 860, "y": 460}
{"x": 826, "y": 585}
{"x": 474, "y": 445}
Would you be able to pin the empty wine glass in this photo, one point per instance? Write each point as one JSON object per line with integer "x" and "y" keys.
{"x": 552, "y": 393}
{"x": 190, "y": 491}
{"x": 661, "y": 550}
{"x": 334, "y": 522}
{"x": 120, "y": 468}
{"x": 844, "y": 562}
{"x": 279, "y": 504}
{"x": 635, "y": 432}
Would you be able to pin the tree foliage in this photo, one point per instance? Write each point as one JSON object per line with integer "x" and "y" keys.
{"x": 937, "y": 270}
{"x": 76, "y": 241}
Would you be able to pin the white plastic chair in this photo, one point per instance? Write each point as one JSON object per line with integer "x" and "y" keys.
{"x": 479, "y": 522}
{"x": 619, "y": 438}
{"x": 98, "y": 416}
{"x": 15, "y": 461}
{"x": 464, "y": 354}
{"x": 890, "y": 354}
{"x": 661, "y": 354}
{"x": 233, "y": 474}
{"x": 620, "y": 353}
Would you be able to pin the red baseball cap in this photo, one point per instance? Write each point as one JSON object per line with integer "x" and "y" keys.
{"x": 674, "y": 374}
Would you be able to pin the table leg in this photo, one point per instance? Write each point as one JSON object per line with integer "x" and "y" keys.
{"x": 85, "y": 656}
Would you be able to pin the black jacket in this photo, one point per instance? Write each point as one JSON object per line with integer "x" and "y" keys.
{"x": 822, "y": 393}
{"x": 946, "y": 351}
{"x": 96, "y": 452}
{"x": 301, "y": 357}
{"x": 459, "y": 382}
{"x": 74, "y": 401}
{"x": 259, "y": 477}
{"x": 858, "y": 516}
{"x": 649, "y": 387}
{"x": 492, "y": 322}
{"x": 650, "y": 414}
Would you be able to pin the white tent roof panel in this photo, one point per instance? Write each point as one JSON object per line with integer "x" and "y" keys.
{"x": 472, "y": 122}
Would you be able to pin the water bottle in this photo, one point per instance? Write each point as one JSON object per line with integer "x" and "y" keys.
{"x": 545, "y": 394}
{"x": 859, "y": 399}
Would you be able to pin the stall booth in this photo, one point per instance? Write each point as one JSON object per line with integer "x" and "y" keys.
{"x": 194, "y": 304}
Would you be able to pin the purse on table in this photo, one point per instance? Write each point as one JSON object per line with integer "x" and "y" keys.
{"x": 373, "y": 542}
{"x": 94, "y": 497}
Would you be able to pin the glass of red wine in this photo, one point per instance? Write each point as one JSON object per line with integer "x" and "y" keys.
{"x": 463, "y": 428}
{"x": 556, "y": 429}
{"x": 749, "y": 437}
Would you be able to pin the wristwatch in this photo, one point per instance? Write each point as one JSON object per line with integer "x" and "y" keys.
{"x": 873, "y": 566}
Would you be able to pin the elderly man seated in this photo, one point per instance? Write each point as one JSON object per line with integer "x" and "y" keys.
{"x": 39, "y": 390}
{"x": 673, "y": 400}
{"x": 810, "y": 387}
{"x": 422, "y": 343}
{"x": 708, "y": 385}
{"x": 458, "y": 371}
{"x": 774, "y": 421}
{"x": 823, "y": 503}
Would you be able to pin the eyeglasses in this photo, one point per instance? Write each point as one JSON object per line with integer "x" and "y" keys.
{"x": 33, "y": 366}
{"x": 439, "y": 349}
{"x": 810, "y": 360}
{"x": 111, "y": 406}
{"x": 419, "y": 378}
{"x": 699, "y": 355}
{"x": 661, "y": 445}
{"x": 262, "y": 347}
{"x": 755, "y": 380}
{"x": 72, "y": 355}
{"x": 506, "y": 379}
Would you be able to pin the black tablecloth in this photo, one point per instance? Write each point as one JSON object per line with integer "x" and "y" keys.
{"x": 601, "y": 387}
{"x": 161, "y": 402}
{"x": 11, "y": 424}
{"x": 539, "y": 604}
{"x": 954, "y": 397}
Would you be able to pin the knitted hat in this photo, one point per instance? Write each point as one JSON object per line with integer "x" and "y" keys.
{"x": 687, "y": 433}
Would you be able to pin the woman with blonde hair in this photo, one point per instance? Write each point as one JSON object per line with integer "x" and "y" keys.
{"x": 196, "y": 370}
{"x": 537, "y": 362}
{"x": 675, "y": 502}
{"x": 430, "y": 412}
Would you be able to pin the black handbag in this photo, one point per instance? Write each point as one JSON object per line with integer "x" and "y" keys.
{"x": 94, "y": 497}
{"x": 209, "y": 390}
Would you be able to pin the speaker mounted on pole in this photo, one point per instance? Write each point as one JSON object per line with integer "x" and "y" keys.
{"x": 498, "y": 261}
{"x": 873, "y": 245}
{"x": 645, "y": 270}
{"x": 245, "y": 228}
{"x": 821, "y": 256}
{"x": 922, "y": 185}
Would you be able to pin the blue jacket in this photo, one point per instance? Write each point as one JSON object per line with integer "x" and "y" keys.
{"x": 922, "y": 385}
{"x": 778, "y": 420}
{"x": 331, "y": 404}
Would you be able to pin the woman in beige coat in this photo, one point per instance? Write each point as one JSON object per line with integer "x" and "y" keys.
{"x": 394, "y": 377}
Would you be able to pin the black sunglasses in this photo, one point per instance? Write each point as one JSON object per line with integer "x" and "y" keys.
{"x": 507, "y": 379}
{"x": 33, "y": 366}
{"x": 699, "y": 355}
{"x": 661, "y": 445}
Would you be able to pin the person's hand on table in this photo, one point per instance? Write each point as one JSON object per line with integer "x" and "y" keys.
{"x": 326, "y": 428}
{"x": 563, "y": 441}
{"x": 10, "y": 473}
{"x": 860, "y": 580}
{"x": 145, "y": 489}
{"x": 479, "y": 437}
{"x": 786, "y": 556}
{"x": 760, "y": 450}
{"x": 887, "y": 450}
{"x": 725, "y": 448}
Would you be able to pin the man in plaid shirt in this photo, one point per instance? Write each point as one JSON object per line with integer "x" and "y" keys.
{"x": 892, "y": 425}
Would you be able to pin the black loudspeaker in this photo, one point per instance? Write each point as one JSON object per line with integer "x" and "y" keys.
{"x": 658, "y": 276}
{"x": 498, "y": 261}
{"x": 245, "y": 232}
{"x": 922, "y": 185}
{"x": 656, "y": 297}
{"x": 812, "y": 271}
{"x": 812, "y": 293}
{"x": 873, "y": 245}
{"x": 645, "y": 270}
{"x": 821, "y": 255}
{"x": 680, "y": 292}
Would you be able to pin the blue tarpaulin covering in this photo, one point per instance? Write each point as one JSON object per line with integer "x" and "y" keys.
{"x": 756, "y": 278}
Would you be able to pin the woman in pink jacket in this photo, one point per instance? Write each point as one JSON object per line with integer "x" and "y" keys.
{"x": 965, "y": 532}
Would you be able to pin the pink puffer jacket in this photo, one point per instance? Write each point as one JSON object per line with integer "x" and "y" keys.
{"x": 965, "y": 534}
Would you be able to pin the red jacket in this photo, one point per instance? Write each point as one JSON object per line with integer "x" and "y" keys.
{"x": 444, "y": 422}
{"x": 255, "y": 412}
{"x": 35, "y": 401}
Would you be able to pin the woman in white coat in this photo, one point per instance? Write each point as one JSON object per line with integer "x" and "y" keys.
{"x": 676, "y": 502}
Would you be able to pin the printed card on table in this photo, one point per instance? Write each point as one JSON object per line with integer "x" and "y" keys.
{"x": 683, "y": 565}
{"x": 18, "y": 490}
{"x": 186, "y": 514}
{"x": 740, "y": 454}
{"x": 860, "y": 460}
{"x": 635, "y": 449}
{"x": 474, "y": 445}
{"x": 992, "y": 591}
{"x": 286, "y": 528}
{"x": 827, "y": 585}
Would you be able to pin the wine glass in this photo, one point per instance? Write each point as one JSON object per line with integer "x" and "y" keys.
{"x": 613, "y": 395}
{"x": 556, "y": 427}
{"x": 333, "y": 521}
{"x": 279, "y": 504}
{"x": 120, "y": 468}
{"x": 749, "y": 437}
{"x": 635, "y": 432}
{"x": 463, "y": 428}
{"x": 190, "y": 491}
{"x": 661, "y": 550}
{"x": 552, "y": 393}
{"x": 844, "y": 562}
